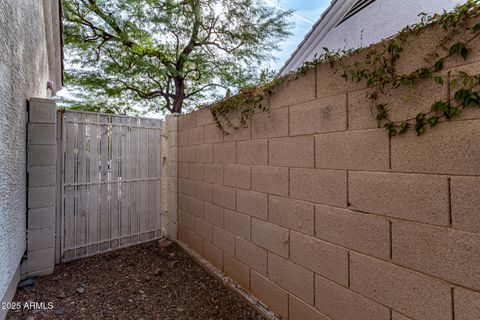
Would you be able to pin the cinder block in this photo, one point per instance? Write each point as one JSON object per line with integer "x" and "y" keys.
{"x": 39, "y": 239}
{"x": 357, "y": 150}
{"x": 254, "y": 152}
{"x": 270, "y": 237}
{"x": 449, "y": 148}
{"x": 195, "y": 242}
{"x": 467, "y": 304}
{"x": 183, "y": 234}
{"x": 292, "y": 214}
{"x": 319, "y": 116}
{"x": 398, "y": 316}
{"x": 225, "y": 152}
{"x": 224, "y": 240}
{"x": 195, "y": 171}
{"x": 41, "y": 197}
{"x": 299, "y": 310}
{"x": 203, "y": 191}
{"x": 41, "y": 218}
{"x": 172, "y": 122}
{"x": 465, "y": 193}
{"x": 186, "y": 153}
{"x": 204, "y": 153}
{"x": 186, "y": 220}
{"x": 212, "y": 134}
{"x": 42, "y": 134}
{"x": 294, "y": 278}
{"x": 173, "y": 153}
{"x": 172, "y": 169}
{"x": 360, "y": 111}
{"x": 251, "y": 255}
{"x": 292, "y": 152}
{"x": 252, "y": 203}
{"x": 42, "y": 176}
{"x": 224, "y": 196}
{"x": 239, "y": 132}
{"x": 329, "y": 81}
{"x": 213, "y": 255}
{"x": 214, "y": 214}
{"x": 237, "y": 223}
{"x": 195, "y": 136}
{"x": 415, "y": 197}
{"x": 186, "y": 186}
{"x": 237, "y": 271}
{"x": 441, "y": 252}
{"x": 203, "y": 229}
{"x": 357, "y": 231}
{"x": 42, "y": 111}
{"x": 322, "y": 186}
{"x": 237, "y": 176}
{"x": 213, "y": 173}
{"x": 269, "y": 293}
{"x": 187, "y": 121}
{"x": 41, "y": 260}
{"x": 295, "y": 89}
{"x": 272, "y": 180}
{"x": 183, "y": 201}
{"x": 328, "y": 260}
{"x": 196, "y": 207}
{"x": 182, "y": 138}
{"x": 204, "y": 117}
{"x": 338, "y": 302}
{"x": 411, "y": 293}
{"x": 270, "y": 124}
{"x": 42, "y": 155}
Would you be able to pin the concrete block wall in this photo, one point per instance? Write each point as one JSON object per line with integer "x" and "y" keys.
{"x": 320, "y": 215}
{"x": 42, "y": 176}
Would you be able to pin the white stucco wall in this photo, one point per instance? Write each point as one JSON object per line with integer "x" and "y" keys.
{"x": 23, "y": 74}
{"x": 380, "y": 20}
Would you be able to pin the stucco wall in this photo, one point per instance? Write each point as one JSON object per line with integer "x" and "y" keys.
{"x": 24, "y": 73}
{"x": 320, "y": 215}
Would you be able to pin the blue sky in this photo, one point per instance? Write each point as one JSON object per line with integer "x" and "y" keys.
{"x": 306, "y": 13}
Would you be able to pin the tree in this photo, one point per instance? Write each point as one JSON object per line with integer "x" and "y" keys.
{"x": 166, "y": 54}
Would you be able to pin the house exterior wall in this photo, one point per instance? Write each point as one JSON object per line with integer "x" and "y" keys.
{"x": 28, "y": 60}
{"x": 380, "y": 20}
{"x": 319, "y": 214}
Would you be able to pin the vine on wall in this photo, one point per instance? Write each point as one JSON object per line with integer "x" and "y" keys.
{"x": 379, "y": 71}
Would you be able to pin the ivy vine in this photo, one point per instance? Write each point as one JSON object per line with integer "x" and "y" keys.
{"x": 379, "y": 71}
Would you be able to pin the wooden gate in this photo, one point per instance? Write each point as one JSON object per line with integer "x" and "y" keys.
{"x": 110, "y": 182}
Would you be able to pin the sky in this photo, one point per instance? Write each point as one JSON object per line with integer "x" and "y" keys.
{"x": 306, "y": 13}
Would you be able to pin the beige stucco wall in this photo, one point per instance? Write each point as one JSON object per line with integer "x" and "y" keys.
{"x": 320, "y": 215}
{"x": 26, "y": 43}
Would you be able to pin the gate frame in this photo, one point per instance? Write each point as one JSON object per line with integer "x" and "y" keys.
{"x": 164, "y": 183}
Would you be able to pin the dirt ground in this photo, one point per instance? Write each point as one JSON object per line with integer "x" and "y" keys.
{"x": 144, "y": 282}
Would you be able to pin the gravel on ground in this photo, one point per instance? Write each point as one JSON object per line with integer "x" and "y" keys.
{"x": 144, "y": 282}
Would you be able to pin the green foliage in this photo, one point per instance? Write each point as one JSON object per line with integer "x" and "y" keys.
{"x": 163, "y": 55}
{"x": 380, "y": 75}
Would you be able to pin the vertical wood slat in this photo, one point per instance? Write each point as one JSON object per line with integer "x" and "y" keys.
{"x": 111, "y": 182}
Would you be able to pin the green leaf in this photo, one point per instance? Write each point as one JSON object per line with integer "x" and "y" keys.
{"x": 404, "y": 127}
{"x": 464, "y": 53}
{"x": 438, "y": 65}
{"x": 476, "y": 28}
{"x": 457, "y": 47}
{"x": 439, "y": 80}
{"x": 432, "y": 121}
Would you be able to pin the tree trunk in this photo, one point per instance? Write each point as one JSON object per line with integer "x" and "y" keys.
{"x": 179, "y": 95}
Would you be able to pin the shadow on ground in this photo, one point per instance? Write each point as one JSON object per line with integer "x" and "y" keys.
{"x": 142, "y": 282}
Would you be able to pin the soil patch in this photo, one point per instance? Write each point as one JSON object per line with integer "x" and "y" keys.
{"x": 144, "y": 282}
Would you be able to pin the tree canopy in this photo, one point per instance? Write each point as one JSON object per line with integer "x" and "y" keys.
{"x": 163, "y": 55}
